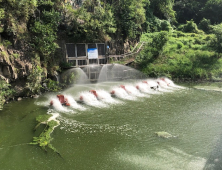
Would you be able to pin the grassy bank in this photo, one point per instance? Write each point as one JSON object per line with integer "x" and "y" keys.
{"x": 180, "y": 55}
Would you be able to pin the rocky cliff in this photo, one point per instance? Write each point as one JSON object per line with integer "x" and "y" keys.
{"x": 14, "y": 67}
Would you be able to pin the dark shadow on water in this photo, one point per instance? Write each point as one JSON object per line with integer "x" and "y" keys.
{"x": 214, "y": 162}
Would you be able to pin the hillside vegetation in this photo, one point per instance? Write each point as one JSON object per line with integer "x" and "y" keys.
{"x": 186, "y": 53}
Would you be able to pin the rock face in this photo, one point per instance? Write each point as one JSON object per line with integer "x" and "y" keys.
{"x": 119, "y": 47}
{"x": 14, "y": 66}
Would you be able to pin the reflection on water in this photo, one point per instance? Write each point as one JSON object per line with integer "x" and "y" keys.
{"x": 215, "y": 160}
{"x": 117, "y": 131}
{"x": 170, "y": 158}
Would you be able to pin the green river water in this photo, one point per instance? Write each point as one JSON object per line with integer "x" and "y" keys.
{"x": 119, "y": 135}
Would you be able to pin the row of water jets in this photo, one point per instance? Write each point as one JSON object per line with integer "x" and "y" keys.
{"x": 101, "y": 98}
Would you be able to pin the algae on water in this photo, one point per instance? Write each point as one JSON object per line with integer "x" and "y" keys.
{"x": 44, "y": 139}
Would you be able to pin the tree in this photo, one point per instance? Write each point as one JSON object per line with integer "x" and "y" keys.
{"x": 44, "y": 34}
{"x": 190, "y": 26}
{"x": 153, "y": 49}
{"x": 189, "y": 9}
{"x": 205, "y": 25}
{"x": 163, "y": 9}
{"x": 212, "y": 11}
{"x": 14, "y": 21}
{"x": 216, "y": 43}
{"x": 129, "y": 17}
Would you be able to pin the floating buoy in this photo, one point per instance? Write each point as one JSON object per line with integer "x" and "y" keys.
{"x": 112, "y": 92}
{"x": 122, "y": 86}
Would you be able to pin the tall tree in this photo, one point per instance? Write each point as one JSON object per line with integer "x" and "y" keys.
{"x": 163, "y": 9}
{"x": 129, "y": 16}
{"x": 189, "y": 9}
{"x": 216, "y": 43}
{"x": 212, "y": 11}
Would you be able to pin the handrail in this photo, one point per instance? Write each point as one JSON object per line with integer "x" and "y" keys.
{"x": 131, "y": 53}
{"x": 133, "y": 48}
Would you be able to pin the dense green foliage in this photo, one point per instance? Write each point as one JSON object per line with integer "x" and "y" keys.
{"x": 40, "y": 23}
{"x": 34, "y": 80}
{"x": 184, "y": 55}
{"x": 197, "y": 10}
{"x": 44, "y": 34}
{"x": 6, "y": 92}
{"x": 216, "y": 42}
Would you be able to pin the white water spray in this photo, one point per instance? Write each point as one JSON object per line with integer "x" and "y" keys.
{"x": 59, "y": 107}
{"x": 132, "y": 90}
{"x": 164, "y": 85}
{"x": 106, "y": 97}
{"x": 145, "y": 88}
{"x": 172, "y": 84}
{"x": 90, "y": 99}
{"x": 74, "y": 104}
{"x": 122, "y": 94}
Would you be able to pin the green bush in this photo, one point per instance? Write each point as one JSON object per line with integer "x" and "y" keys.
{"x": 179, "y": 45}
{"x": 52, "y": 85}
{"x": 165, "y": 26}
{"x": 5, "y": 92}
{"x": 6, "y": 43}
{"x": 205, "y": 25}
{"x": 16, "y": 55}
{"x": 216, "y": 42}
{"x": 191, "y": 27}
{"x": 34, "y": 80}
{"x": 65, "y": 65}
{"x": 180, "y": 34}
{"x": 3, "y": 53}
{"x": 153, "y": 48}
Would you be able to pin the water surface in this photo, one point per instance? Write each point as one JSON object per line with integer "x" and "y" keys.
{"x": 117, "y": 133}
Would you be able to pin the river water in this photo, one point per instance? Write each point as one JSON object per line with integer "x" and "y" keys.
{"x": 116, "y": 133}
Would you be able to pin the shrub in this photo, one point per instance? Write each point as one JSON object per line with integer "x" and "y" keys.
{"x": 181, "y": 27}
{"x": 16, "y": 55}
{"x": 165, "y": 26}
{"x": 179, "y": 45}
{"x": 64, "y": 65}
{"x": 180, "y": 34}
{"x": 6, "y": 43}
{"x": 205, "y": 25}
{"x": 216, "y": 43}
{"x": 3, "y": 53}
{"x": 152, "y": 49}
{"x": 52, "y": 85}
{"x": 5, "y": 92}
{"x": 191, "y": 27}
{"x": 34, "y": 80}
